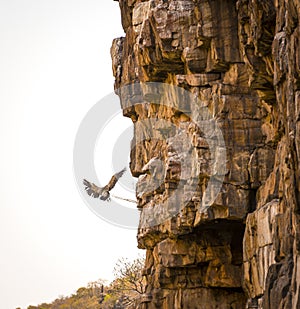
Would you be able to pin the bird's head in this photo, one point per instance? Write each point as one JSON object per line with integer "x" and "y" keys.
{"x": 104, "y": 196}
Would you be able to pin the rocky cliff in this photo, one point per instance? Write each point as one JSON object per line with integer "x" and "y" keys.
{"x": 241, "y": 61}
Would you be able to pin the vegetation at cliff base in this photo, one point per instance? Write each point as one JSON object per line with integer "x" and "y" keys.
{"x": 122, "y": 292}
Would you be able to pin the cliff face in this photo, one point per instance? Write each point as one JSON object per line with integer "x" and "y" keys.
{"x": 241, "y": 60}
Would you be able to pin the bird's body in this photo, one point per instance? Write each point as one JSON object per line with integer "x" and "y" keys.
{"x": 102, "y": 192}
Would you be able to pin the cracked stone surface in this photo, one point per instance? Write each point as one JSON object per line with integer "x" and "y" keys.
{"x": 241, "y": 60}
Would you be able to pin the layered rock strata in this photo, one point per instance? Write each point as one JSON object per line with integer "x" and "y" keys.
{"x": 240, "y": 61}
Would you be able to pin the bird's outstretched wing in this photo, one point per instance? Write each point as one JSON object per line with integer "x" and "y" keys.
{"x": 92, "y": 189}
{"x": 114, "y": 179}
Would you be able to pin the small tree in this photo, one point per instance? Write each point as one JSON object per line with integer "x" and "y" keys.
{"x": 129, "y": 283}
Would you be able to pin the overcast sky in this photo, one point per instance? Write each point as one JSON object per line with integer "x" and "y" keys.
{"x": 54, "y": 66}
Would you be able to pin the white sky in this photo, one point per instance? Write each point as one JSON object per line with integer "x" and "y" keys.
{"x": 54, "y": 66}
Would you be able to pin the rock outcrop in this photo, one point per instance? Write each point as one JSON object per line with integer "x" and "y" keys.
{"x": 240, "y": 60}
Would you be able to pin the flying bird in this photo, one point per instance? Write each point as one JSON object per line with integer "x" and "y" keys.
{"x": 102, "y": 192}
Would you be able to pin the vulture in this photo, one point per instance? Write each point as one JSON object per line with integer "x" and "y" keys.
{"x": 102, "y": 192}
